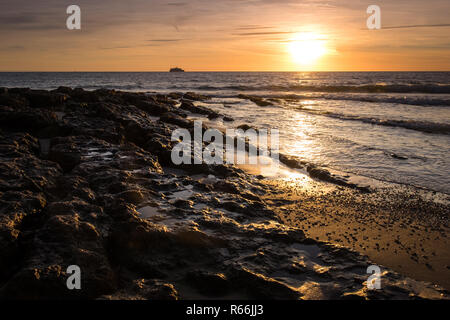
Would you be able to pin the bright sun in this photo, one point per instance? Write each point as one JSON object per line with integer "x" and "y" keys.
{"x": 306, "y": 48}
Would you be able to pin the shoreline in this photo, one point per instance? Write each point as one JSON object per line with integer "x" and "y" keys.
{"x": 412, "y": 241}
{"x": 86, "y": 179}
{"x": 397, "y": 229}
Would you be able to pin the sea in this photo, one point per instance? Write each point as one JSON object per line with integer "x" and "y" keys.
{"x": 388, "y": 126}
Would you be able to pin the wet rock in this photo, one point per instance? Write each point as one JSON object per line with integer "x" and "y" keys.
{"x": 152, "y": 107}
{"x": 42, "y": 123}
{"x": 144, "y": 289}
{"x": 245, "y": 127}
{"x": 172, "y": 118}
{"x": 189, "y": 106}
{"x": 175, "y": 95}
{"x": 291, "y": 162}
{"x": 64, "y": 90}
{"x": 41, "y": 98}
{"x": 138, "y": 246}
{"x": 104, "y": 129}
{"x": 260, "y": 287}
{"x": 132, "y": 196}
{"x": 325, "y": 175}
{"x": 162, "y": 148}
{"x": 208, "y": 283}
{"x": 12, "y": 100}
{"x": 80, "y": 95}
{"x": 194, "y": 96}
{"x": 185, "y": 204}
{"x": 63, "y": 241}
{"x": 163, "y": 99}
{"x": 257, "y": 100}
{"x": 65, "y": 154}
{"x": 399, "y": 157}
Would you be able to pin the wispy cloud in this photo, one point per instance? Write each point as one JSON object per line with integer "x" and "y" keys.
{"x": 262, "y": 33}
{"x": 166, "y": 40}
{"x": 119, "y": 47}
{"x": 418, "y": 26}
{"x": 253, "y": 27}
{"x": 153, "y": 43}
{"x": 177, "y": 4}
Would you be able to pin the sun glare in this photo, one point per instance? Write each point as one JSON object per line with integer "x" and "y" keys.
{"x": 306, "y": 48}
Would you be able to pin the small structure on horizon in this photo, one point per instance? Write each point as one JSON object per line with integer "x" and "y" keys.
{"x": 176, "y": 69}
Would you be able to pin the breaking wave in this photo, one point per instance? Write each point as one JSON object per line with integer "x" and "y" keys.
{"x": 375, "y": 88}
{"x": 423, "y": 126}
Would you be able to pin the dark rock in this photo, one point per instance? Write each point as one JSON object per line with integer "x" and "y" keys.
{"x": 144, "y": 289}
{"x": 42, "y": 123}
{"x": 209, "y": 284}
{"x": 64, "y": 90}
{"x": 245, "y": 127}
{"x": 325, "y": 175}
{"x": 68, "y": 241}
{"x": 12, "y": 100}
{"x": 41, "y": 98}
{"x": 396, "y": 156}
{"x": 187, "y": 105}
{"x": 185, "y": 204}
{"x": 154, "y": 109}
{"x": 175, "y": 95}
{"x": 172, "y": 118}
{"x": 65, "y": 155}
{"x": 194, "y": 96}
{"x": 257, "y": 100}
{"x": 260, "y": 287}
{"x": 80, "y": 95}
{"x": 132, "y": 196}
{"x": 291, "y": 162}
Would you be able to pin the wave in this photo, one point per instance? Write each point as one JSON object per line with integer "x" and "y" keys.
{"x": 351, "y": 94}
{"x": 408, "y": 100}
{"x": 372, "y": 88}
{"x": 115, "y": 87}
{"x": 435, "y": 89}
{"x": 423, "y": 126}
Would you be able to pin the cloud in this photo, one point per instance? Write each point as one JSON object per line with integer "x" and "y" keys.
{"x": 418, "y": 26}
{"x": 28, "y": 21}
{"x": 119, "y": 47}
{"x": 166, "y": 40}
{"x": 263, "y": 33}
{"x": 177, "y": 4}
{"x": 13, "y": 48}
{"x": 253, "y": 27}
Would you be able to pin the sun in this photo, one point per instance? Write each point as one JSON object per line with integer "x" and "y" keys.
{"x": 306, "y": 48}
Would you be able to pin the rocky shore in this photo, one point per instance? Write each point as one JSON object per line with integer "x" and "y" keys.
{"x": 86, "y": 179}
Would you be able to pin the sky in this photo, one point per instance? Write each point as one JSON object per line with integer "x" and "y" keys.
{"x": 227, "y": 35}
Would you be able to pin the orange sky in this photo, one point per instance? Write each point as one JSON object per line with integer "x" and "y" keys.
{"x": 230, "y": 35}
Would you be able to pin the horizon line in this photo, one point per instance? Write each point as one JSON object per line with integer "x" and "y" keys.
{"x": 216, "y": 71}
